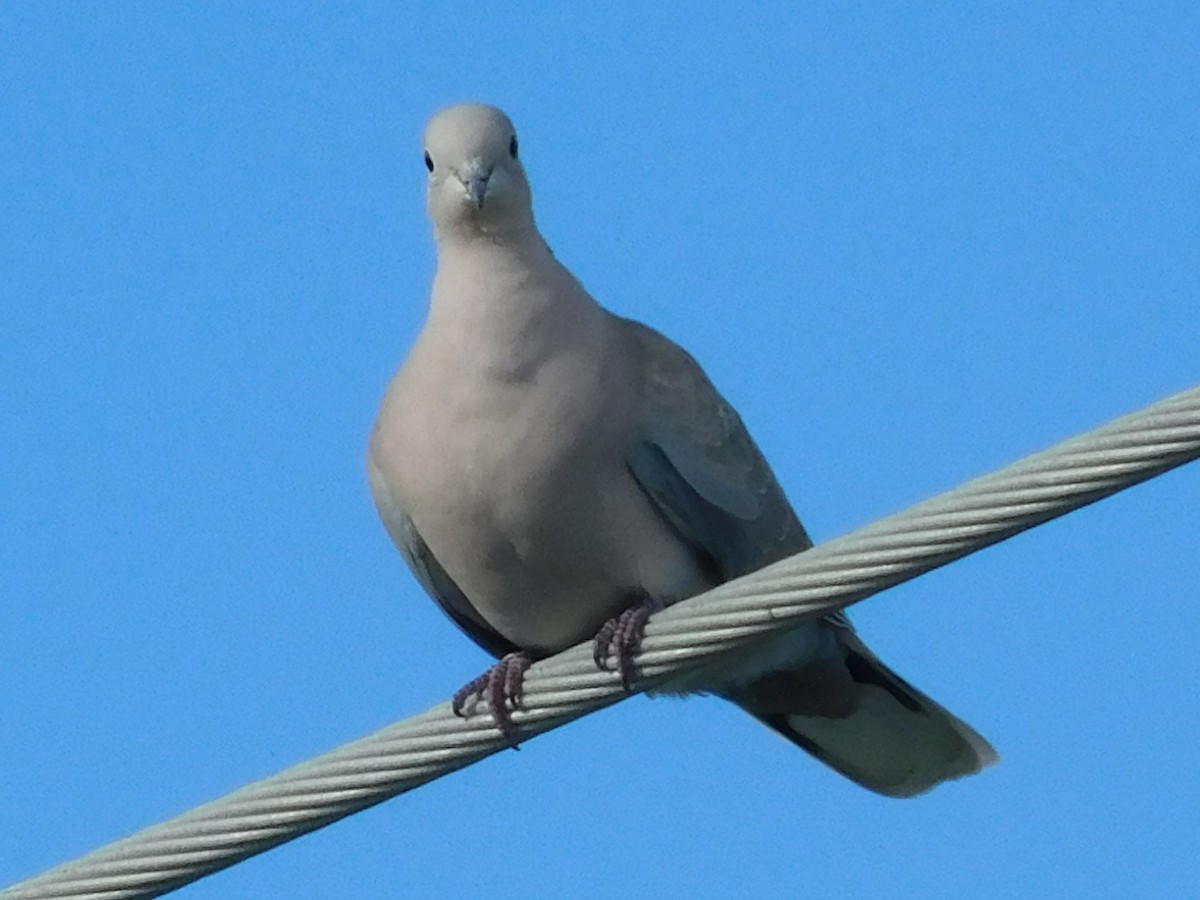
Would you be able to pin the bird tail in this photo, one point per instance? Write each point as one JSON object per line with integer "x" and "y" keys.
{"x": 884, "y": 734}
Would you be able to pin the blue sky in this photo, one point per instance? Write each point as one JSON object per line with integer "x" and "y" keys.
{"x": 910, "y": 242}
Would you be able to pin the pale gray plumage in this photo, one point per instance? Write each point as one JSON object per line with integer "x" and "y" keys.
{"x": 541, "y": 463}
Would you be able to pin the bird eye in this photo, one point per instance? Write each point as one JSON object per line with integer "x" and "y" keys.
{"x": 512, "y": 147}
{"x": 428, "y": 161}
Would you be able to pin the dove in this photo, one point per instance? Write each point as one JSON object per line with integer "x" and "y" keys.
{"x": 553, "y": 473}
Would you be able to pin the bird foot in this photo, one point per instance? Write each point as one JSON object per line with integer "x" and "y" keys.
{"x": 620, "y": 638}
{"x": 500, "y": 688}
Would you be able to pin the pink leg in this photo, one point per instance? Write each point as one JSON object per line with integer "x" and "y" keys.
{"x": 620, "y": 637}
{"x": 500, "y": 688}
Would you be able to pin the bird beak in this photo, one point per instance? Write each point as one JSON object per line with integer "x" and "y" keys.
{"x": 475, "y": 179}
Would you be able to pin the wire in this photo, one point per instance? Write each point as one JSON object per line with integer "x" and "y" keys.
{"x": 730, "y": 619}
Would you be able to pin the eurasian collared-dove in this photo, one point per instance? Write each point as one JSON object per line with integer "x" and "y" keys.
{"x": 551, "y": 472}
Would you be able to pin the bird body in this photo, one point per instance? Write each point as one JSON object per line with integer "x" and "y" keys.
{"x": 543, "y": 465}
{"x": 513, "y": 470}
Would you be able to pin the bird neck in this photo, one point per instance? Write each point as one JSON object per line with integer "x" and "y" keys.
{"x": 486, "y": 226}
{"x": 506, "y": 307}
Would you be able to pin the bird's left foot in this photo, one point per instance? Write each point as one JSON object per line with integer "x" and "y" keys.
{"x": 619, "y": 639}
{"x": 500, "y": 688}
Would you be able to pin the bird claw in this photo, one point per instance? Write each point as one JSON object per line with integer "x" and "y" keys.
{"x": 621, "y": 638}
{"x": 500, "y": 688}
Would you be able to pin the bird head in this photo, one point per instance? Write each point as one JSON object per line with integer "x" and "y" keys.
{"x": 476, "y": 182}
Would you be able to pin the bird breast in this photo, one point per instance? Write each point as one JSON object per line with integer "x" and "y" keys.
{"x": 520, "y": 489}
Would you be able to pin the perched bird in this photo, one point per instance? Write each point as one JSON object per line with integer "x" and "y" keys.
{"x": 552, "y": 472}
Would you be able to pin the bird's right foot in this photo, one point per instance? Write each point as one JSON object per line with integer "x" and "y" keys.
{"x": 500, "y": 688}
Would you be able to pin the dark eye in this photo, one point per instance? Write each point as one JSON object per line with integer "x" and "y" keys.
{"x": 512, "y": 147}
{"x": 428, "y": 161}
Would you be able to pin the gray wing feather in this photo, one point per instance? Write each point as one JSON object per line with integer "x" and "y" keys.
{"x": 698, "y": 464}
{"x": 702, "y": 469}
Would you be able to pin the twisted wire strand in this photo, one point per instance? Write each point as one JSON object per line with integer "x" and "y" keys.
{"x": 732, "y": 618}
